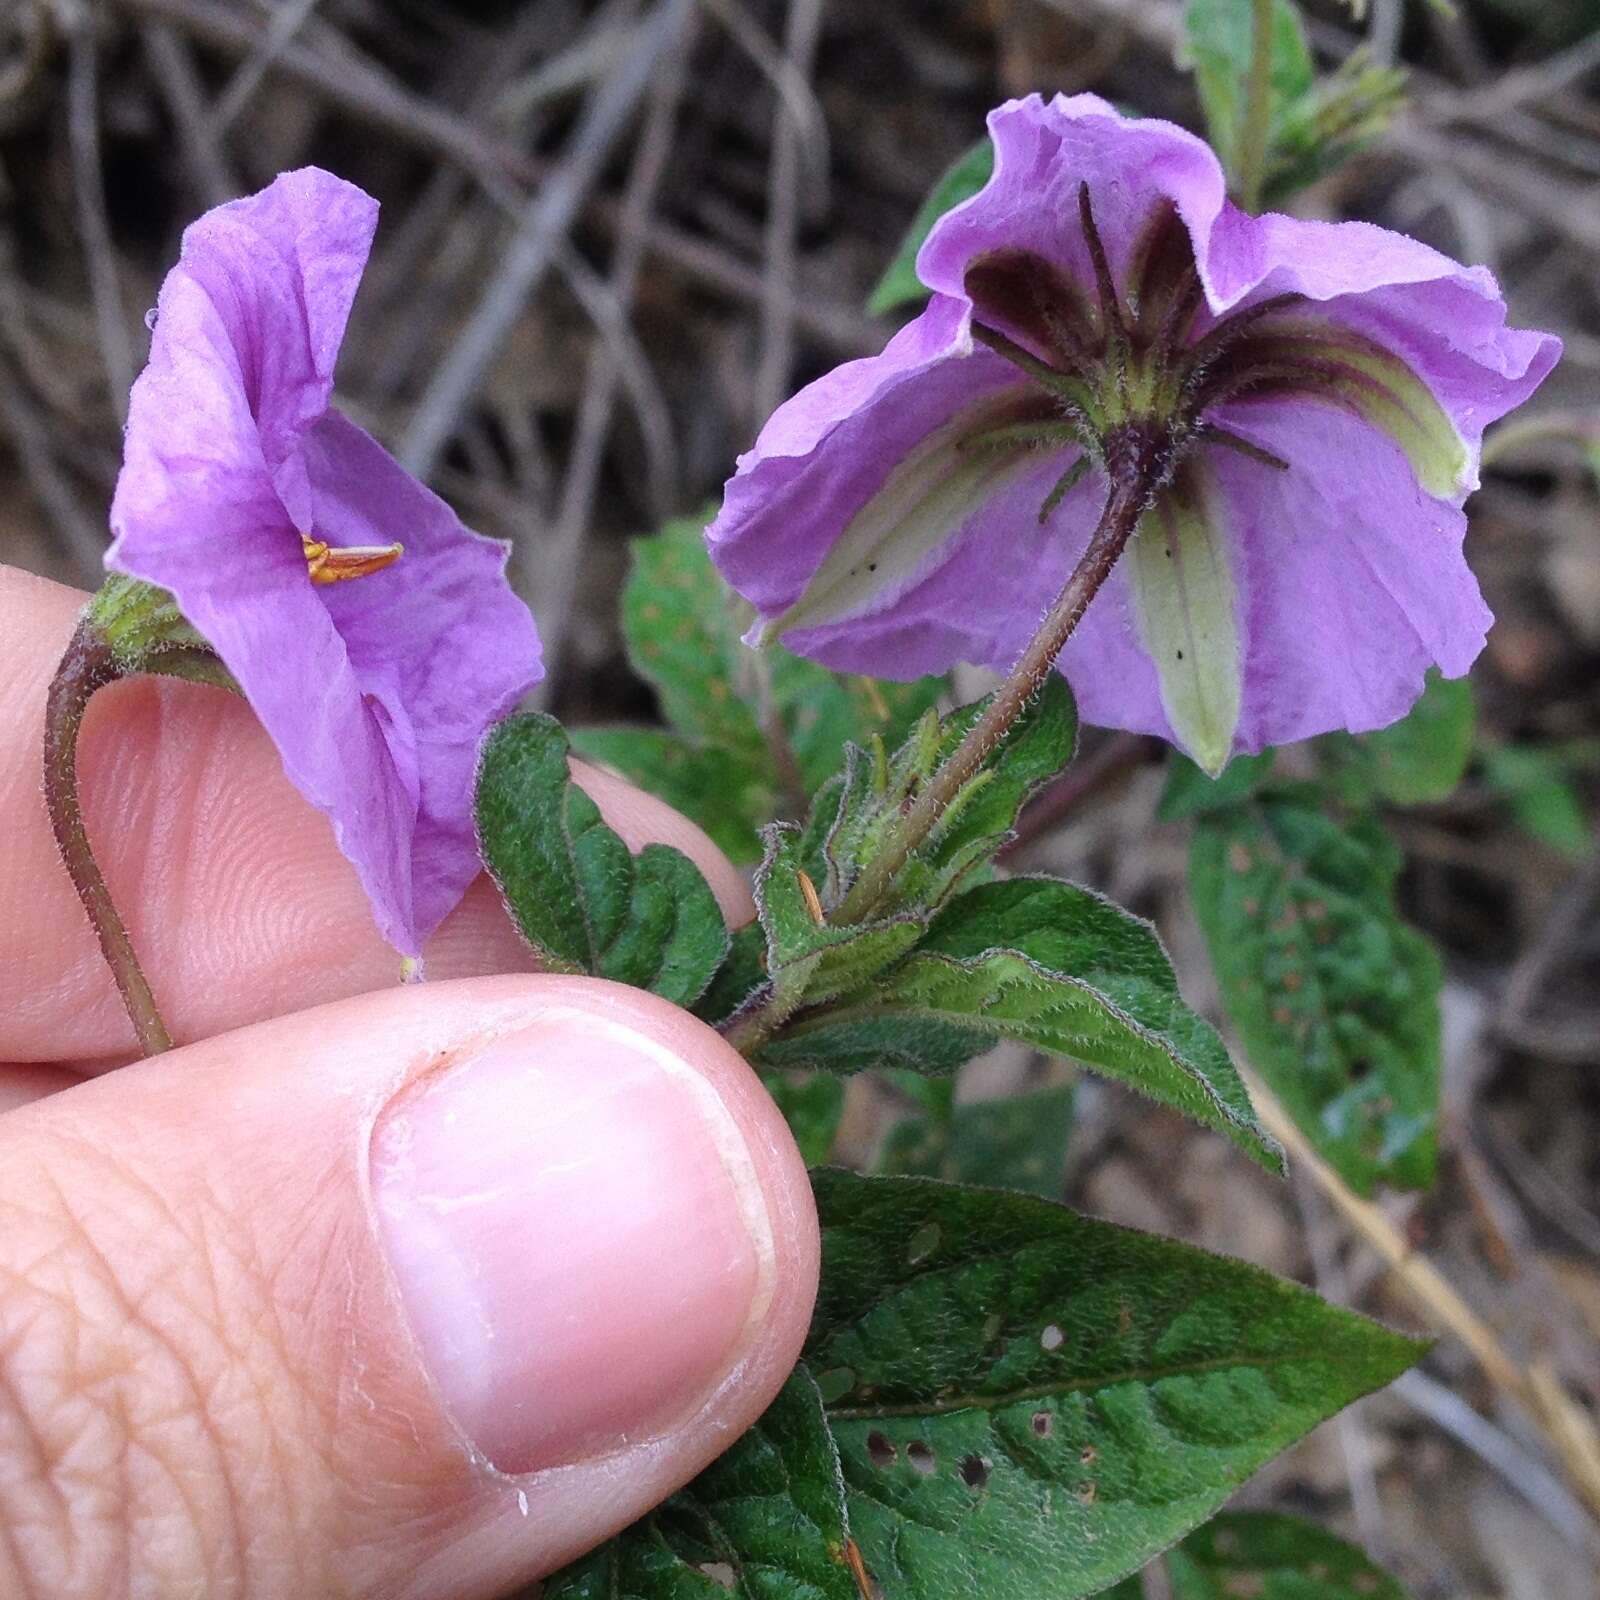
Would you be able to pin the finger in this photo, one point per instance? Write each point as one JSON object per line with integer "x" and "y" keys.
{"x": 21, "y": 1085}
{"x": 237, "y": 898}
{"x": 418, "y": 1294}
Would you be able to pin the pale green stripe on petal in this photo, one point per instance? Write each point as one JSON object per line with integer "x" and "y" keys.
{"x": 1384, "y": 390}
{"x": 927, "y": 499}
{"x": 1181, "y": 577}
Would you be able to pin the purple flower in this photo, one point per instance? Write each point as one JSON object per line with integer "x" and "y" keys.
{"x": 1303, "y": 401}
{"x": 249, "y": 498}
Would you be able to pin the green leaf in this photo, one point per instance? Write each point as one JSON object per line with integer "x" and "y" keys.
{"x": 855, "y": 818}
{"x": 1218, "y": 38}
{"x": 1191, "y": 793}
{"x": 1314, "y": 126}
{"x": 765, "y": 1521}
{"x": 812, "y": 1104}
{"x": 1029, "y": 1404}
{"x": 683, "y": 627}
{"x": 1273, "y": 1557}
{"x": 809, "y": 959}
{"x": 1415, "y": 761}
{"x": 1335, "y": 998}
{"x": 577, "y": 895}
{"x": 723, "y": 792}
{"x": 963, "y": 178}
{"x": 1535, "y": 782}
{"x": 1016, "y": 1143}
{"x": 1054, "y": 966}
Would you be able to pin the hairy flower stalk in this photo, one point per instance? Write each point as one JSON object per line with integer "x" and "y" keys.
{"x": 128, "y": 628}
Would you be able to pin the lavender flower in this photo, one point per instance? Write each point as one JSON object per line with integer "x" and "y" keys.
{"x": 1300, "y": 404}
{"x": 251, "y": 500}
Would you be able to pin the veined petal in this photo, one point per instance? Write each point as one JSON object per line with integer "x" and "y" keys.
{"x": 1044, "y": 149}
{"x": 1353, "y": 576}
{"x": 1184, "y": 590}
{"x": 1318, "y": 360}
{"x": 828, "y": 454}
{"x": 928, "y": 497}
{"x": 438, "y": 644}
{"x": 1447, "y": 322}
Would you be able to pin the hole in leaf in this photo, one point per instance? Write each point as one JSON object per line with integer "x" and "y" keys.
{"x": 923, "y": 1243}
{"x": 1052, "y": 1338}
{"x": 1225, "y": 1542}
{"x": 1043, "y": 1424}
{"x": 974, "y": 1471}
{"x": 1087, "y": 1492}
{"x": 720, "y": 1573}
{"x": 1089, "y": 1455}
{"x": 921, "y": 1457}
{"x": 881, "y": 1451}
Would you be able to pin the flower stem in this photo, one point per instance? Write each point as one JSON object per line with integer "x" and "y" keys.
{"x": 89, "y": 665}
{"x": 1257, "y": 125}
{"x": 1125, "y": 504}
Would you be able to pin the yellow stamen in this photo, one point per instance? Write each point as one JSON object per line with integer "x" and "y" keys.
{"x": 335, "y": 564}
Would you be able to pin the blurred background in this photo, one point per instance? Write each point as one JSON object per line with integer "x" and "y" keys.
{"x": 615, "y": 235}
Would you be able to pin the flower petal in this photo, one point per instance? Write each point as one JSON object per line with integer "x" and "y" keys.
{"x": 1354, "y": 576}
{"x": 1185, "y": 596}
{"x": 438, "y": 643}
{"x": 1327, "y": 362}
{"x": 1447, "y": 322}
{"x": 1043, "y": 151}
{"x": 861, "y": 488}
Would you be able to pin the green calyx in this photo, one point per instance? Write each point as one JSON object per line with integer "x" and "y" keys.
{"x": 143, "y": 630}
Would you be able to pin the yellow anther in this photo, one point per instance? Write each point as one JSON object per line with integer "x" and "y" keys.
{"x": 329, "y": 563}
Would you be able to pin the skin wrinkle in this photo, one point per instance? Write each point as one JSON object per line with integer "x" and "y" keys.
{"x": 196, "y": 1404}
{"x": 136, "y": 1373}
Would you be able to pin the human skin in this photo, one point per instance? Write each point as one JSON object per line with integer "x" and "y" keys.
{"x": 245, "y": 1287}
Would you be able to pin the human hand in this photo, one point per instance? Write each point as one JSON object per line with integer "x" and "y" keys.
{"x": 418, "y": 1293}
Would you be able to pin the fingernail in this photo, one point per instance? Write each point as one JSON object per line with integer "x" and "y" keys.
{"x": 578, "y": 1235}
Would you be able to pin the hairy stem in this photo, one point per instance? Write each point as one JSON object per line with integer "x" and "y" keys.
{"x": 87, "y": 666}
{"x": 1124, "y": 505}
{"x": 1257, "y": 125}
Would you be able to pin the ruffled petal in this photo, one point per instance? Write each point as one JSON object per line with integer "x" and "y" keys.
{"x": 868, "y": 484}
{"x": 1447, "y": 322}
{"x": 440, "y": 648}
{"x": 1352, "y": 576}
{"x": 1044, "y": 149}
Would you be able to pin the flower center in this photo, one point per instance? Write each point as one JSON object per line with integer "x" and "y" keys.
{"x": 1131, "y": 382}
{"x": 329, "y": 563}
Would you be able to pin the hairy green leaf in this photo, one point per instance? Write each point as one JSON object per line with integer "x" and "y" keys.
{"x": 766, "y": 1521}
{"x": 746, "y": 730}
{"x": 809, "y": 959}
{"x": 1058, "y": 967}
{"x": 576, "y": 893}
{"x": 727, "y": 794}
{"x": 963, "y": 178}
{"x": 1016, "y": 1143}
{"x": 853, "y": 818}
{"x": 1273, "y": 1557}
{"x": 1029, "y": 1404}
{"x": 1335, "y": 998}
